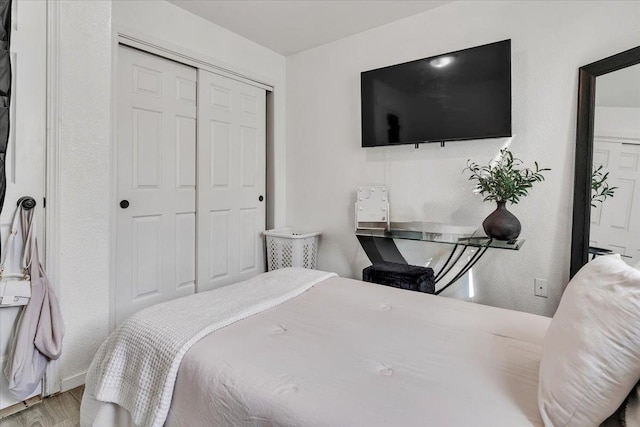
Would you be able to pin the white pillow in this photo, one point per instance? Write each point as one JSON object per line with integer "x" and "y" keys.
{"x": 591, "y": 354}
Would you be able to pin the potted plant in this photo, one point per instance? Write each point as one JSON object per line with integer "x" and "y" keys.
{"x": 503, "y": 180}
{"x": 600, "y": 189}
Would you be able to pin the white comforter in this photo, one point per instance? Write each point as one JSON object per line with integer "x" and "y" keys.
{"x": 348, "y": 353}
{"x": 136, "y": 367}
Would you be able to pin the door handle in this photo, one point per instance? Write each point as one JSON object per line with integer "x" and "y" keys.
{"x": 124, "y": 204}
{"x": 260, "y": 198}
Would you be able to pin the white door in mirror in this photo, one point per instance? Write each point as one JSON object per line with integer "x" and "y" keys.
{"x": 615, "y": 223}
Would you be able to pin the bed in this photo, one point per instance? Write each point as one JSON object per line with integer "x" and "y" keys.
{"x": 350, "y": 353}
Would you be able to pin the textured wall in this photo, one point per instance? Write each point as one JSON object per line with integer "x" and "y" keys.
{"x": 325, "y": 162}
{"x": 85, "y": 165}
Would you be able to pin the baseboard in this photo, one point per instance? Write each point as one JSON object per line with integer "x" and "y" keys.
{"x": 20, "y": 406}
{"x": 73, "y": 382}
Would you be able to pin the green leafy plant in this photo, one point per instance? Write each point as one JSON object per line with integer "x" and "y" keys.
{"x": 504, "y": 180}
{"x": 600, "y": 189}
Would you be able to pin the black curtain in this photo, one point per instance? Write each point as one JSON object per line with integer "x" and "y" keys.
{"x": 5, "y": 90}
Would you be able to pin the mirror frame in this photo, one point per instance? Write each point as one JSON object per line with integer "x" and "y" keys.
{"x": 584, "y": 150}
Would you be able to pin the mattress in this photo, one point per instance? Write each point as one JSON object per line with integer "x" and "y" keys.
{"x": 349, "y": 353}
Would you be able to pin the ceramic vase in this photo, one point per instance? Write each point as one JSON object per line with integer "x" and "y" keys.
{"x": 502, "y": 224}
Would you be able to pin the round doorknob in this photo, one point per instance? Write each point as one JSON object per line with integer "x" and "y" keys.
{"x": 260, "y": 198}
{"x": 124, "y": 204}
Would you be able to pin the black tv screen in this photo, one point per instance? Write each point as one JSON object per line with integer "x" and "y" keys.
{"x": 455, "y": 96}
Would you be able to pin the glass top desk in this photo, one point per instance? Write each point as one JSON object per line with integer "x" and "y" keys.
{"x": 379, "y": 245}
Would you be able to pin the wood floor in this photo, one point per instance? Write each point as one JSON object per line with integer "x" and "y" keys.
{"x": 61, "y": 410}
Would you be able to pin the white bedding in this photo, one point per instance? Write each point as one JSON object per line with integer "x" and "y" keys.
{"x": 136, "y": 366}
{"x": 348, "y": 353}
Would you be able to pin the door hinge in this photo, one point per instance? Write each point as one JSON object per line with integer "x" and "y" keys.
{"x": 44, "y": 203}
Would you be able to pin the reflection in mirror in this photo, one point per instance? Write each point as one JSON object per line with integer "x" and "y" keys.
{"x": 615, "y": 180}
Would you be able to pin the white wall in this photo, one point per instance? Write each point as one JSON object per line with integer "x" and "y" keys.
{"x": 84, "y": 204}
{"x": 85, "y": 146}
{"x": 618, "y": 103}
{"x": 325, "y": 162}
{"x": 619, "y": 89}
{"x": 617, "y": 122}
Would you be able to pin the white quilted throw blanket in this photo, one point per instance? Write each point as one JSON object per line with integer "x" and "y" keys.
{"x": 136, "y": 367}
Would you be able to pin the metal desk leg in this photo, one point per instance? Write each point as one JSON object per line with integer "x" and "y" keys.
{"x": 468, "y": 266}
{"x": 380, "y": 249}
{"x": 445, "y": 270}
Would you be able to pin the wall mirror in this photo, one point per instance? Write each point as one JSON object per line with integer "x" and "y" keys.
{"x": 606, "y": 201}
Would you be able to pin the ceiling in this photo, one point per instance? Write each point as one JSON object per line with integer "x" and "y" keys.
{"x": 291, "y": 26}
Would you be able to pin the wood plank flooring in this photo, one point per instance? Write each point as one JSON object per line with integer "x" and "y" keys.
{"x": 61, "y": 410}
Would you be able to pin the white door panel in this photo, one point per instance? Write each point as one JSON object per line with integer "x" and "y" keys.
{"x": 156, "y": 175}
{"x": 231, "y": 180}
{"x": 25, "y": 159}
{"x": 615, "y": 224}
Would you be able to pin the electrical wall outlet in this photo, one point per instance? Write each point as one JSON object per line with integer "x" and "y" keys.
{"x": 540, "y": 289}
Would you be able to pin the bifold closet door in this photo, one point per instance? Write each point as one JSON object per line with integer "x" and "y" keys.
{"x": 156, "y": 219}
{"x": 231, "y": 180}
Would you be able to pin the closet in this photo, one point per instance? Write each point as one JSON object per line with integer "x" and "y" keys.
{"x": 191, "y": 171}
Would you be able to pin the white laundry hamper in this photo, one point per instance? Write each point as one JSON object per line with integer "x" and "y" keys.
{"x": 288, "y": 247}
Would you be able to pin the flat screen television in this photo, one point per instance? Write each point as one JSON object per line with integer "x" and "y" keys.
{"x": 455, "y": 96}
